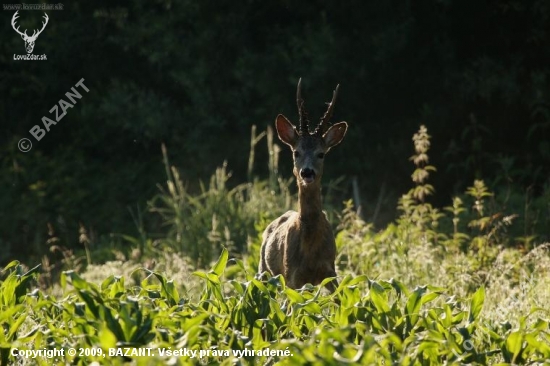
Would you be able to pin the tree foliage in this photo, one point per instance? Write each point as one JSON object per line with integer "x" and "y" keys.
{"x": 197, "y": 75}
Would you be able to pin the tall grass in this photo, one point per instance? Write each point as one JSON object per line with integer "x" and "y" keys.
{"x": 436, "y": 286}
{"x": 222, "y": 215}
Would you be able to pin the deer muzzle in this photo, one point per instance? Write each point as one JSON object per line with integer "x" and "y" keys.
{"x": 308, "y": 175}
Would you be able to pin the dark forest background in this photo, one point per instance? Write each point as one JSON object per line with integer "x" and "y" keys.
{"x": 196, "y": 75}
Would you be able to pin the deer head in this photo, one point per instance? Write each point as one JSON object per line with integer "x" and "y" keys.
{"x": 29, "y": 40}
{"x": 309, "y": 148}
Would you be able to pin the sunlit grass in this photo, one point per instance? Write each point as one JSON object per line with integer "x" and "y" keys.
{"x": 434, "y": 287}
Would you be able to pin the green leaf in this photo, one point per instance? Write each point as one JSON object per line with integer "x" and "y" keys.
{"x": 107, "y": 282}
{"x": 194, "y": 321}
{"x": 414, "y": 303}
{"x": 348, "y": 280}
{"x": 399, "y": 287}
{"x": 514, "y": 343}
{"x": 294, "y": 295}
{"x": 476, "y": 304}
{"x": 15, "y": 326}
{"x": 107, "y": 338}
{"x": 220, "y": 265}
{"x": 379, "y": 300}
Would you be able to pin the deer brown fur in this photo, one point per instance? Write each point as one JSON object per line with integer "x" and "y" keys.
{"x": 300, "y": 244}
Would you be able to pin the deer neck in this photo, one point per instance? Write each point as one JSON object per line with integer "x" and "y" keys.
{"x": 312, "y": 220}
{"x": 310, "y": 210}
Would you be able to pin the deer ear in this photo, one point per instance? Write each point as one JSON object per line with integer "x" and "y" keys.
{"x": 335, "y": 134}
{"x": 286, "y": 130}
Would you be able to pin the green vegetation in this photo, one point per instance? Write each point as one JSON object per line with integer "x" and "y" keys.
{"x": 451, "y": 269}
{"x": 196, "y": 75}
{"x": 436, "y": 286}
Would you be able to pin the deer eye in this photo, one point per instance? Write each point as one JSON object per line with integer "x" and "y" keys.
{"x": 296, "y": 154}
{"x": 321, "y": 155}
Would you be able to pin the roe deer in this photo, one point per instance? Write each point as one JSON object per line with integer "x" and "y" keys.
{"x": 300, "y": 245}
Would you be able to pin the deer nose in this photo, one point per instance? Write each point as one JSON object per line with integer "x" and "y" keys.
{"x": 308, "y": 175}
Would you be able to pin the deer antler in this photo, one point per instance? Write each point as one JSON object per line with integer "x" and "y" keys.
{"x": 35, "y": 34}
{"x": 43, "y": 26}
{"x": 323, "y": 124}
{"x": 303, "y": 126}
{"x": 13, "y": 19}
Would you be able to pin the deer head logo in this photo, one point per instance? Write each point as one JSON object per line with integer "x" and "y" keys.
{"x": 29, "y": 40}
